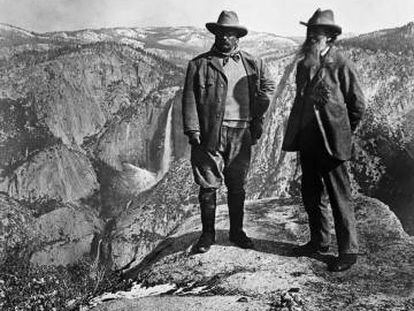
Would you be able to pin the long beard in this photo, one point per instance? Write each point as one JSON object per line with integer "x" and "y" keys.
{"x": 310, "y": 52}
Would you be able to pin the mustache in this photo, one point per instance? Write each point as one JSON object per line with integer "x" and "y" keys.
{"x": 310, "y": 47}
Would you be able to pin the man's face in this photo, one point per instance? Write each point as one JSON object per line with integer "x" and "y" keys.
{"x": 226, "y": 40}
{"x": 316, "y": 41}
{"x": 317, "y": 37}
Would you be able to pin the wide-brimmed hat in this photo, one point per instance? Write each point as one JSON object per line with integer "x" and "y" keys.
{"x": 323, "y": 19}
{"x": 227, "y": 20}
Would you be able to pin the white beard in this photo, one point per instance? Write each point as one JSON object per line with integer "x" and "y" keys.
{"x": 311, "y": 53}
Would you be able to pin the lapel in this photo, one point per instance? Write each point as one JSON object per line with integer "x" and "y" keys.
{"x": 312, "y": 72}
{"x": 216, "y": 63}
{"x": 316, "y": 74}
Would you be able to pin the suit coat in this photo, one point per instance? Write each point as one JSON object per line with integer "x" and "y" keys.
{"x": 205, "y": 91}
{"x": 337, "y": 99}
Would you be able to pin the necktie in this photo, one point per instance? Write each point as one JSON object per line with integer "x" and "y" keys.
{"x": 235, "y": 56}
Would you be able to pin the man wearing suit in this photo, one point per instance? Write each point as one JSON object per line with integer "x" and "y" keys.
{"x": 226, "y": 93}
{"x": 328, "y": 106}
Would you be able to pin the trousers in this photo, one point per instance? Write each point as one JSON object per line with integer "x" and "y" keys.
{"x": 230, "y": 163}
{"x": 322, "y": 172}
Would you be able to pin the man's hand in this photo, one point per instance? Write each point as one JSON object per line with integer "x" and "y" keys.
{"x": 194, "y": 138}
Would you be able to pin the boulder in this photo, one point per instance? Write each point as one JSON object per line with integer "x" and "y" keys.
{"x": 65, "y": 234}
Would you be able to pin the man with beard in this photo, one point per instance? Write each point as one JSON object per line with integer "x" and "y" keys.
{"x": 329, "y": 105}
{"x": 226, "y": 94}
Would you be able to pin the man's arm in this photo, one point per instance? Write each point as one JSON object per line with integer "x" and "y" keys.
{"x": 265, "y": 92}
{"x": 189, "y": 107}
{"x": 353, "y": 94}
{"x": 263, "y": 98}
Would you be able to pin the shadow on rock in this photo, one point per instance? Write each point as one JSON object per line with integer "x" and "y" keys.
{"x": 184, "y": 243}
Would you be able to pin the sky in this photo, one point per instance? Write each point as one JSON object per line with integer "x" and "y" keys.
{"x": 276, "y": 16}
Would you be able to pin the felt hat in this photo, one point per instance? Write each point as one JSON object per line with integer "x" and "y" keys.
{"x": 227, "y": 20}
{"x": 323, "y": 19}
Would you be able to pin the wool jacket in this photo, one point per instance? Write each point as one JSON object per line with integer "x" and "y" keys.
{"x": 205, "y": 91}
{"x": 337, "y": 99}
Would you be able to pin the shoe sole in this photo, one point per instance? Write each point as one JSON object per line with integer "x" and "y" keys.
{"x": 242, "y": 246}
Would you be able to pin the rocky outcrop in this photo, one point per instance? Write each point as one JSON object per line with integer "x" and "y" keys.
{"x": 16, "y": 227}
{"x": 65, "y": 235}
{"x": 271, "y": 277}
{"x": 382, "y": 166}
{"x": 82, "y": 123}
{"x": 150, "y": 217}
{"x": 61, "y": 235}
{"x": 56, "y": 173}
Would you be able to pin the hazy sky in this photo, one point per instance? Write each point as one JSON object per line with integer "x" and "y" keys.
{"x": 276, "y": 16}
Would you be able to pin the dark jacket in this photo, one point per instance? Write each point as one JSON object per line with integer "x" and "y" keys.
{"x": 205, "y": 92}
{"x": 337, "y": 100}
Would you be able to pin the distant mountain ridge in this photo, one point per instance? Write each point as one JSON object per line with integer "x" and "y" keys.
{"x": 398, "y": 40}
{"x": 178, "y": 44}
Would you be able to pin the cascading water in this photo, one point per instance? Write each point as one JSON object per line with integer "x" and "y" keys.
{"x": 166, "y": 157}
{"x": 134, "y": 179}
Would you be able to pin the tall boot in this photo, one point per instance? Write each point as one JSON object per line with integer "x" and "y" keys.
{"x": 207, "y": 199}
{"x": 235, "y": 202}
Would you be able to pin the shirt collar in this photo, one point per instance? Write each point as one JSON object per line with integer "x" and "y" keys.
{"x": 324, "y": 52}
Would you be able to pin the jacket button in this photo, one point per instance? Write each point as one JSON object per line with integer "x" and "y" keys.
{"x": 218, "y": 116}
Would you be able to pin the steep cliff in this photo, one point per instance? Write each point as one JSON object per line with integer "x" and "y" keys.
{"x": 54, "y": 173}
{"x": 82, "y": 123}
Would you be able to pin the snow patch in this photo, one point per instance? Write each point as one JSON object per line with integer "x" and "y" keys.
{"x": 126, "y": 32}
{"x": 137, "y": 291}
{"x": 132, "y": 42}
{"x": 92, "y": 36}
{"x": 171, "y": 42}
{"x": 20, "y": 31}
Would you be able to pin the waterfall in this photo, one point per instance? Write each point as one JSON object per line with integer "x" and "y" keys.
{"x": 134, "y": 179}
{"x": 166, "y": 157}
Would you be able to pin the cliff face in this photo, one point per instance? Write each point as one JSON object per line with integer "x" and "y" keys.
{"x": 273, "y": 172}
{"x": 383, "y": 164}
{"x": 46, "y": 232}
{"x": 54, "y": 173}
{"x": 82, "y": 125}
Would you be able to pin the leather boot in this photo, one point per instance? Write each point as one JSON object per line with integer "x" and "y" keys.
{"x": 235, "y": 202}
{"x": 207, "y": 199}
{"x": 343, "y": 262}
